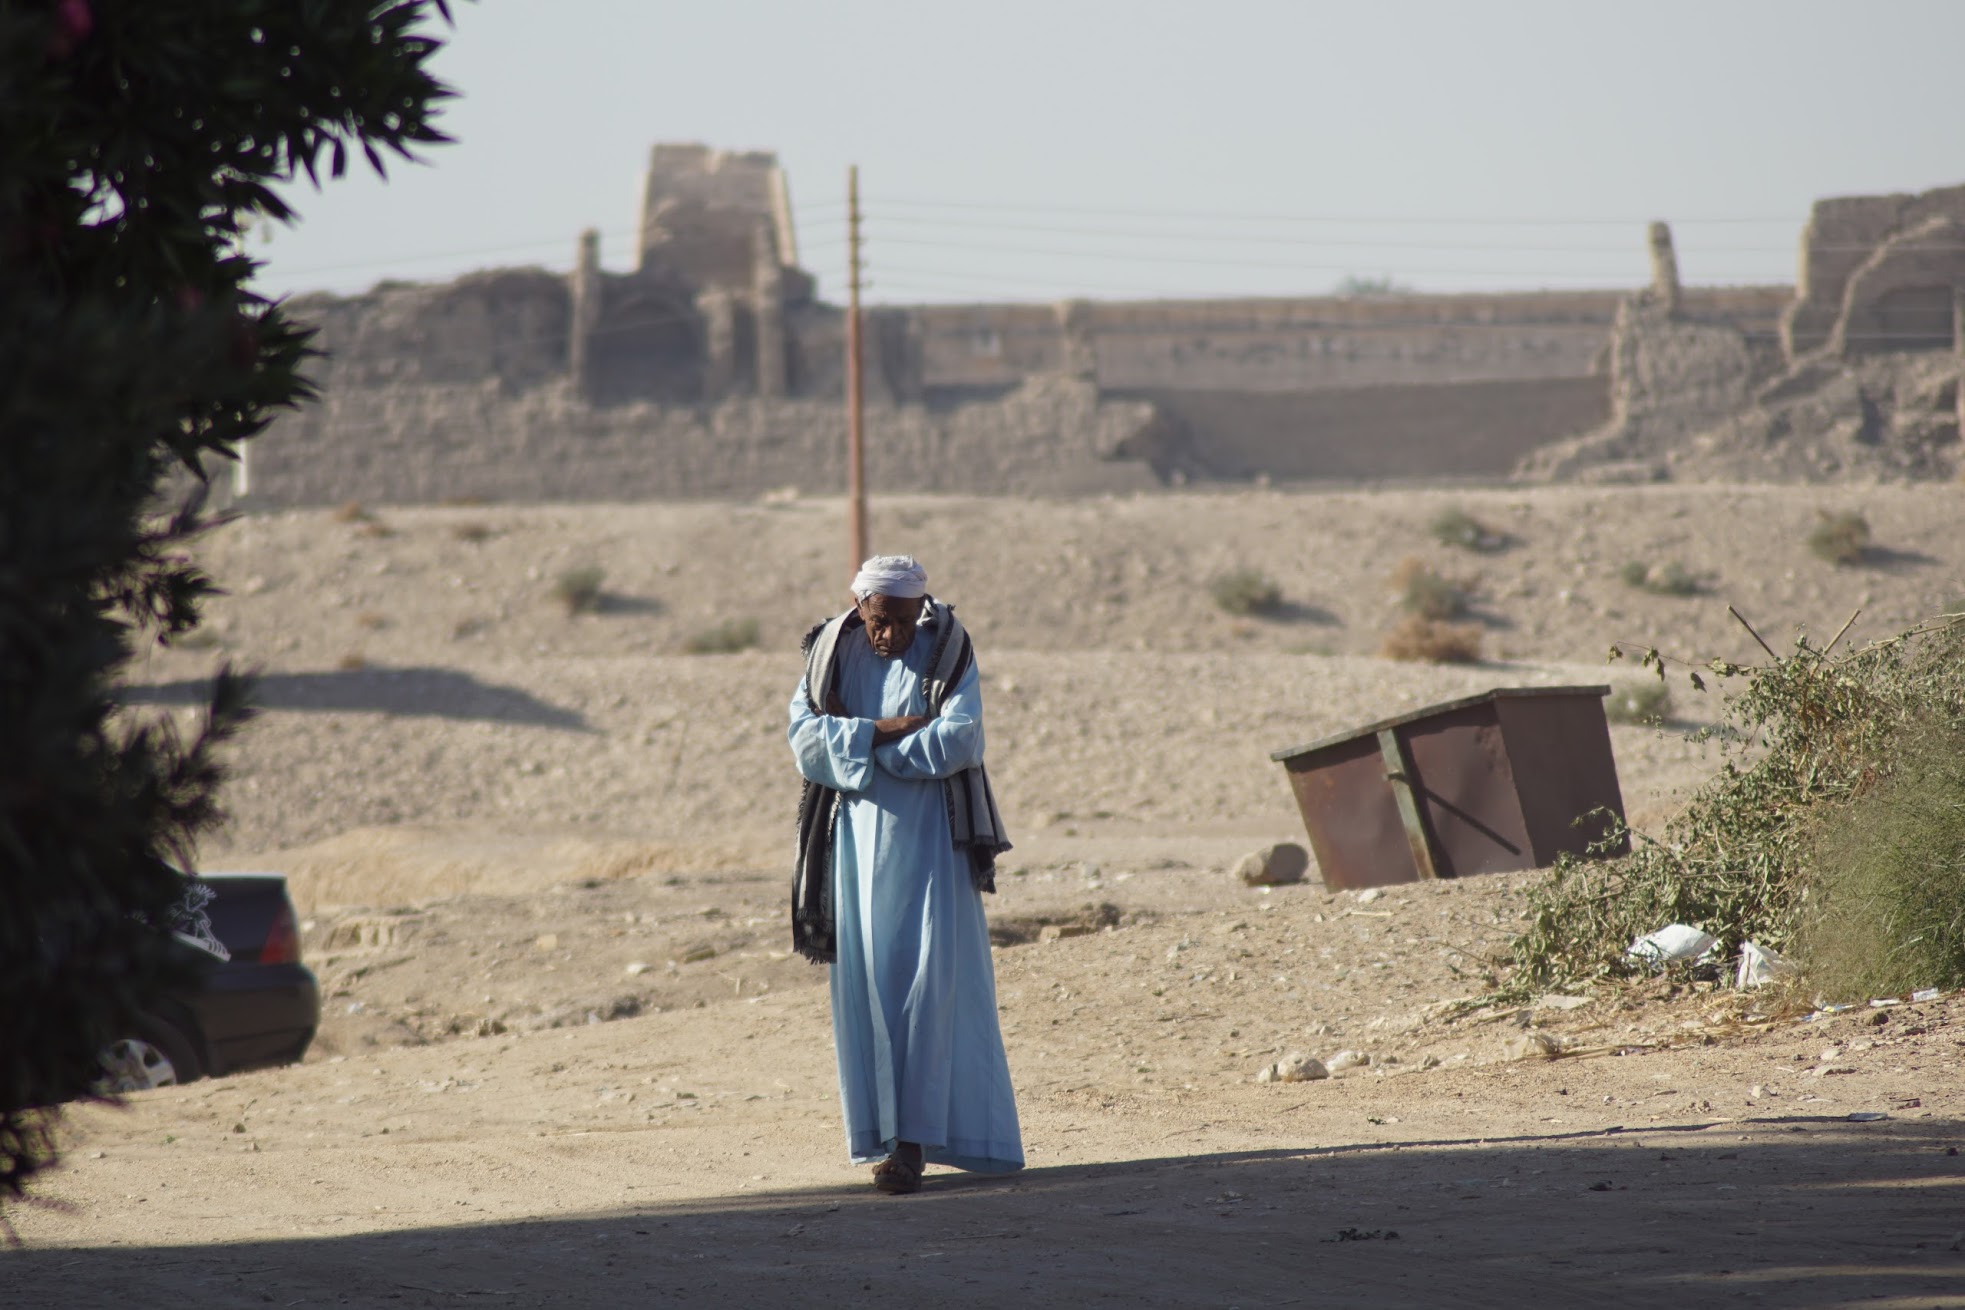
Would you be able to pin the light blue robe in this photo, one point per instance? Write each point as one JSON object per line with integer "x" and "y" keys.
{"x": 913, "y": 989}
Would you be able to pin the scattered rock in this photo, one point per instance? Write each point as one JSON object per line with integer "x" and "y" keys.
{"x": 1347, "y": 1060}
{"x": 1532, "y": 1046}
{"x": 1294, "y": 1069}
{"x": 697, "y": 953}
{"x": 1370, "y": 894}
{"x": 1273, "y": 866}
{"x": 546, "y": 942}
{"x": 638, "y": 968}
{"x": 1557, "y": 1001}
{"x": 1054, "y": 932}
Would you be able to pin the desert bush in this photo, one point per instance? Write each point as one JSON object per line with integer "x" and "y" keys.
{"x": 1666, "y": 578}
{"x": 351, "y": 511}
{"x": 1426, "y": 594}
{"x": 726, "y": 638}
{"x": 1886, "y": 880}
{"x": 578, "y": 589}
{"x": 1839, "y": 538}
{"x": 1804, "y": 738}
{"x": 1454, "y": 526}
{"x": 472, "y": 532}
{"x": 1432, "y": 641}
{"x": 1245, "y": 591}
{"x": 1639, "y": 702}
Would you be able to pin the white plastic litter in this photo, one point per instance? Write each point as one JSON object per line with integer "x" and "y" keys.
{"x": 1675, "y": 943}
{"x": 1759, "y": 966}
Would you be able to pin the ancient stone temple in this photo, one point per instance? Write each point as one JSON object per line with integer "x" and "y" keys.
{"x": 705, "y": 363}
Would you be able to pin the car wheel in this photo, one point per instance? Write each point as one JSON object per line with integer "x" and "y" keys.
{"x": 155, "y": 1054}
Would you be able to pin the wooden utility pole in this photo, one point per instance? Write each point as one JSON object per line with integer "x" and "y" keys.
{"x": 856, "y": 487}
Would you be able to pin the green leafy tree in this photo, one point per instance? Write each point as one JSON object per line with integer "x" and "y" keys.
{"x": 136, "y": 138}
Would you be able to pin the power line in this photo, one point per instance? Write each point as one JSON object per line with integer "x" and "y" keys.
{"x": 1359, "y": 219}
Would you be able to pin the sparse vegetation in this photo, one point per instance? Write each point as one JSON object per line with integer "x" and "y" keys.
{"x": 351, "y": 511}
{"x": 1840, "y": 538}
{"x": 1426, "y": 594}
{"x": 1665, "y": 578}
{"x": 1245, "y": 592}
{"x": 1432, "y": 641}
{"x": 1809, "y": 735}
{"x": 473, "y": 532}
{"x": 1639, "y": 702}
{"x": 353, "y": 662}
{"x": 1887, "y": 880}
{"x": 372, "y": 620}
{"x": 726, "y": 638}
{"x": 578, "y": 589}
{"x": 1454, "y": 526}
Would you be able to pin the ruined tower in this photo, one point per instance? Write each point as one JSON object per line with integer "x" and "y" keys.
{"x": 1664, "y": 268}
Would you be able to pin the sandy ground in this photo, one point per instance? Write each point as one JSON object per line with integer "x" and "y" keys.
{"x": 566, "y": 1059}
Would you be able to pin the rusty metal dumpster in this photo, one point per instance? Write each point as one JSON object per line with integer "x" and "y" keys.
{"x": 1483, "y": 784}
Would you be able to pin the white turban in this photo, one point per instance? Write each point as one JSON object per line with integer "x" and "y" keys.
{"x": 899, "y": 576}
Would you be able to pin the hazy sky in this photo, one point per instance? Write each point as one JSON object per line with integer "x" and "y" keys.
{"x": 1032, "y": 149}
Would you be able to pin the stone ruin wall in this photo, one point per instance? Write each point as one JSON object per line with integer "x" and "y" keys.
{"x": 712, "y": 368}
{"x": 1866, "y": 378}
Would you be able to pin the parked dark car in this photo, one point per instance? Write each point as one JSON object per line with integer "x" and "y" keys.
{"x": 260, "y": 1007}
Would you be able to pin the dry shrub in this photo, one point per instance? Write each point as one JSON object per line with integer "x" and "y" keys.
{"x": 1639, "y": 702}
{"x": 1426, "y": 594}
{"x": 472, "y": 532}
{"x": 1886, "y": 880}
{"x": 1454, "y": 526}
{"x": 1806, "y": 743}
{"x": 351, "y": 511}
{"x": 1840, "y": 538}
{"x": 371, "y": 620}
{"x": 1245, "y": 591}
{"x": 1666, "y": 578}
{"x": 726, "y": 638}
{"x": 578, "y": 589}
{"x": 1432, "y": 641}
{"x": 353, "y": 662}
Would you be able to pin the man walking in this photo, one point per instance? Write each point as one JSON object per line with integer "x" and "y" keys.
{"x": 898, "y": 837}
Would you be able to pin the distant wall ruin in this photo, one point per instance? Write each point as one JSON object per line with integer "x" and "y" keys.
{"x": 712, "y": 368}
{"x": 1869, "y": 379}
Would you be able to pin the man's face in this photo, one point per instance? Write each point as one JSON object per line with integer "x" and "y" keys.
{"x": 890, "y": 623}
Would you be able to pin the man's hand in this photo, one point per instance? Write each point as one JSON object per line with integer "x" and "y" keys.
{"x": 886, "y": 730}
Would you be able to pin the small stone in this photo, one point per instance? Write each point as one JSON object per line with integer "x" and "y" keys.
{"x": 1347, "y": 1060}
{"x": 238, "y": 1128}
{"x": 1273, "y": 866}
{"x": 698, "y": 953}
{"x": 1370, "y": 894}
{"x": 546, "y": 942}
{"x": 638, "y": 968}
{"x": 1297, "y": 1068}
{"x": 1532, "y": 1046}
{"x": 1057, "y": 932}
